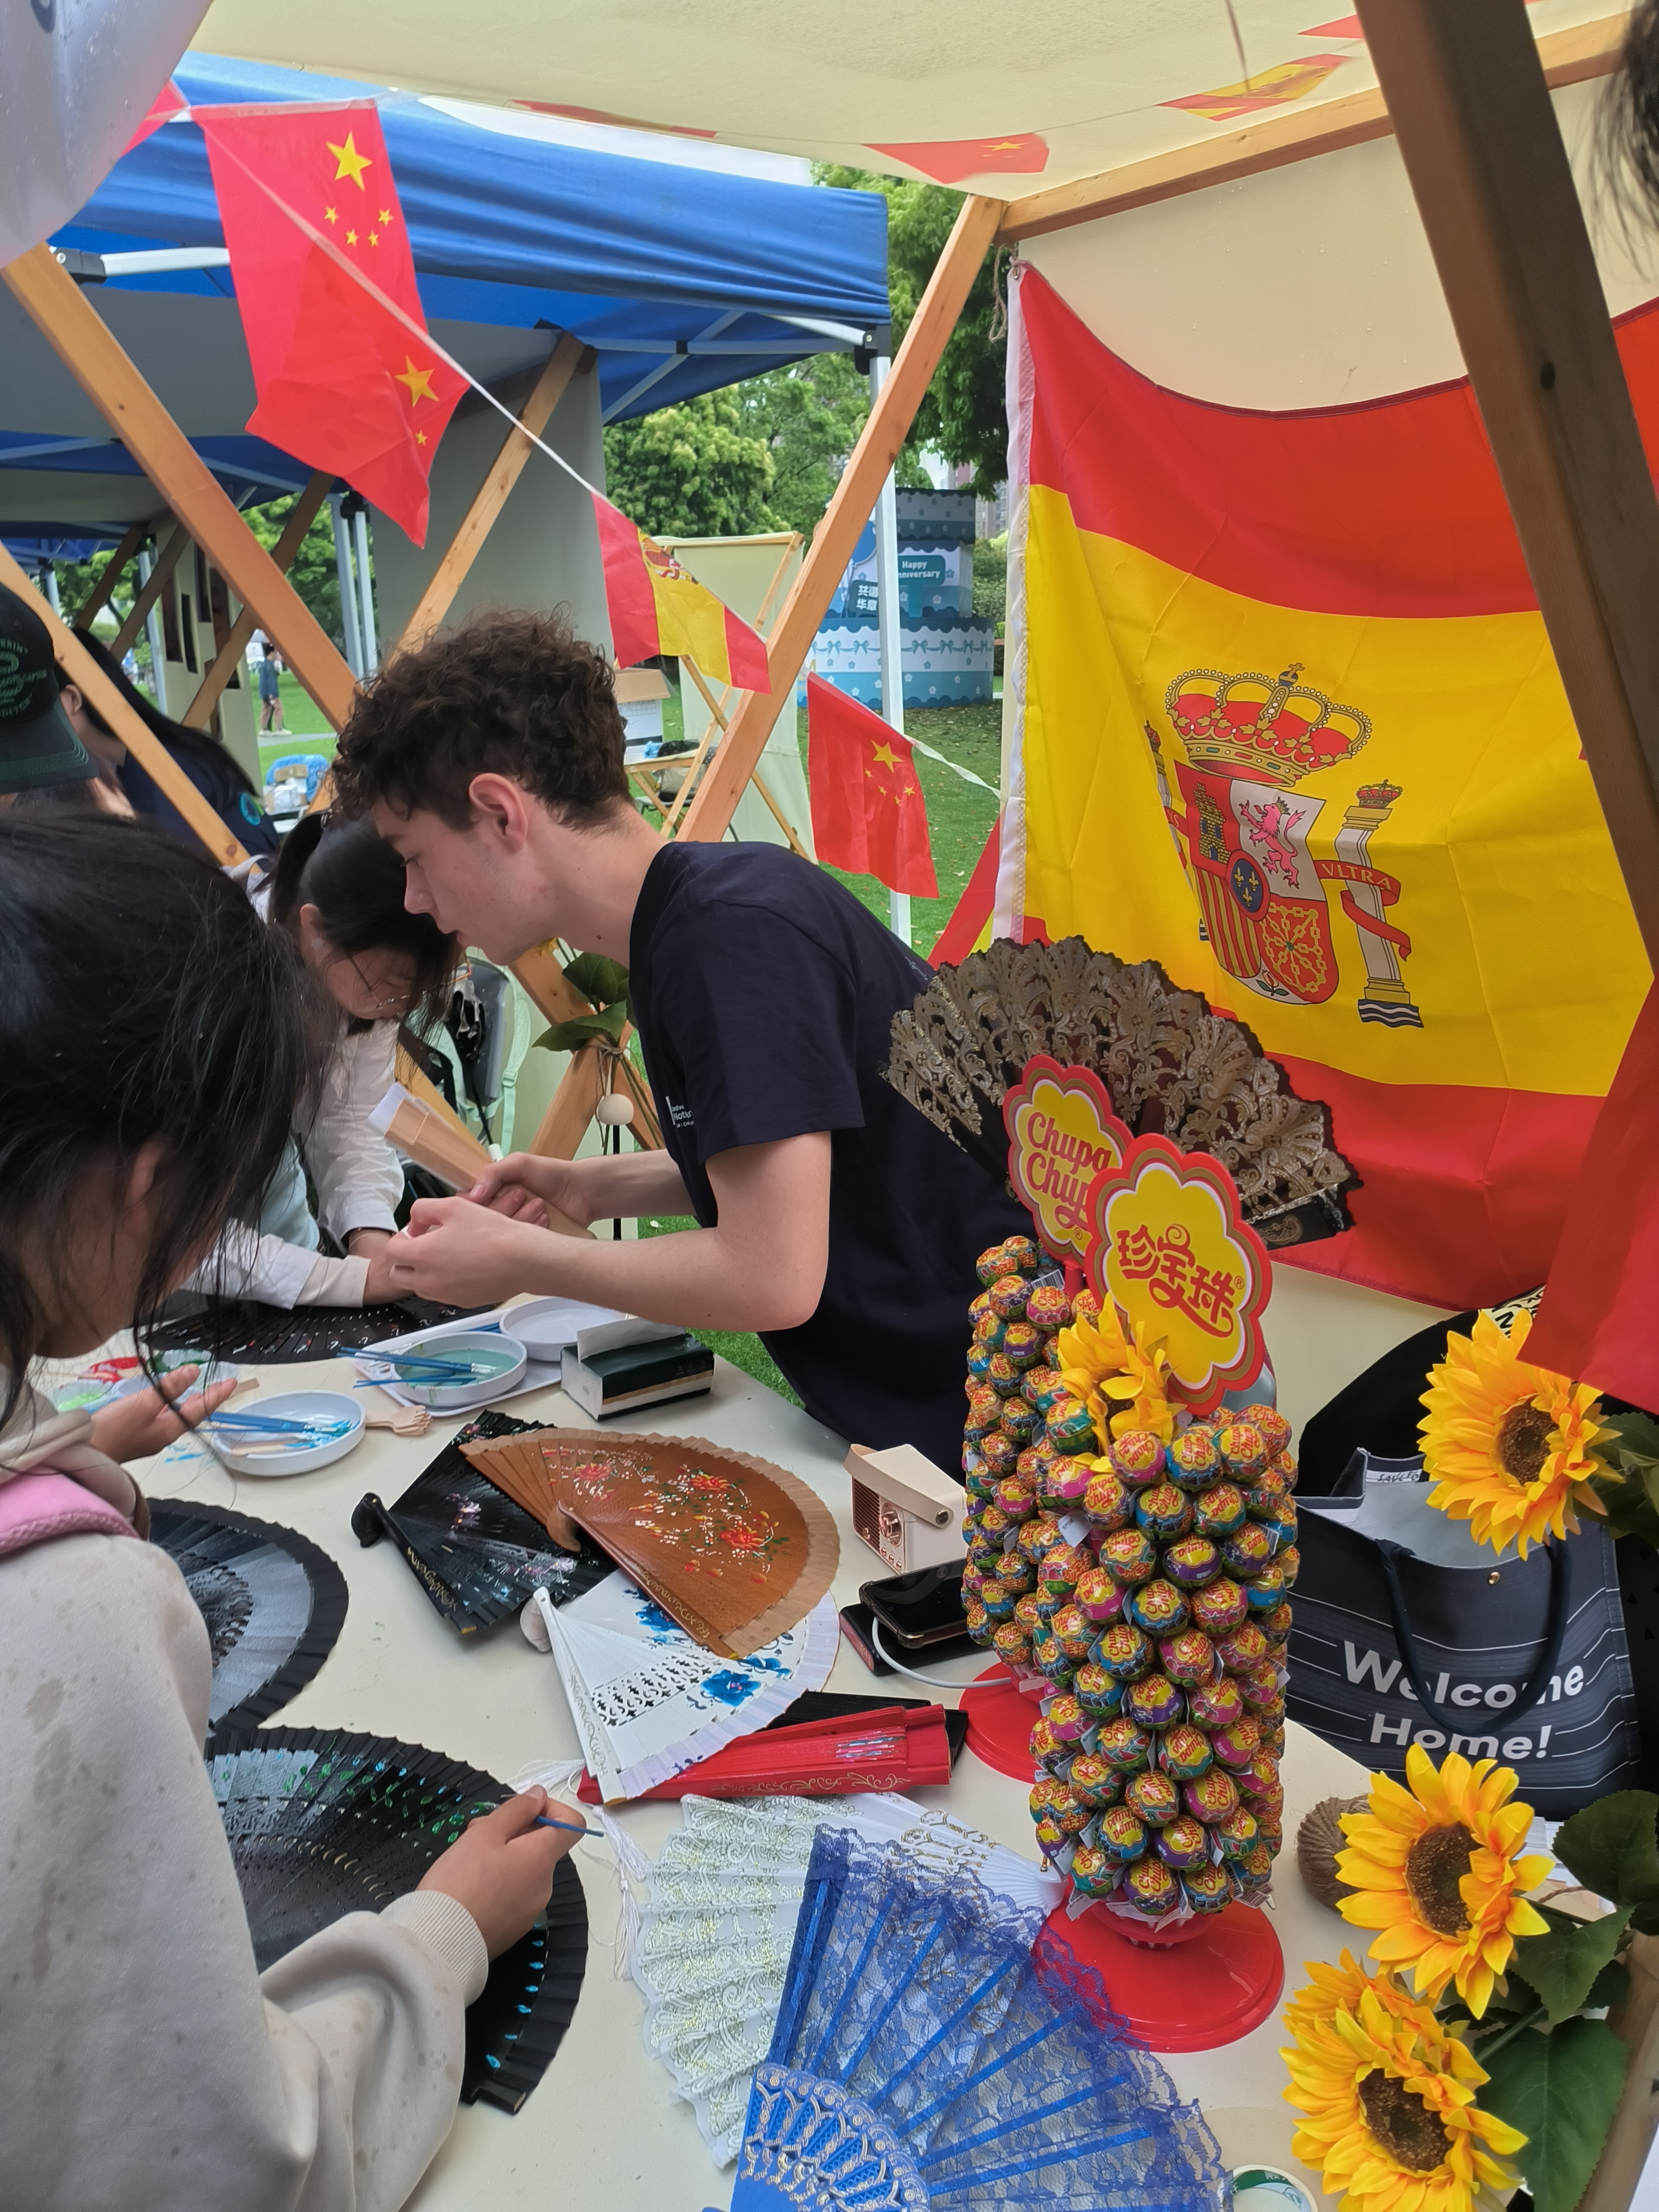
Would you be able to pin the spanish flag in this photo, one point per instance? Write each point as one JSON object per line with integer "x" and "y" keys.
{"x": 1287, "y": 721}
{"x": 657, "y": 606}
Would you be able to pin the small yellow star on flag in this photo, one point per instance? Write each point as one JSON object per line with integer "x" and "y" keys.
{"x": 352, "y": 163}
{"x": 885, "y": 757}
{"x": 386, "y": 215}
{"x": 374, "y": 237}
{"x": 420, "y": 437}
{"x": 351, "y": 238}
{"x": 331, "y": 215}
{"x": 419, "y": 381}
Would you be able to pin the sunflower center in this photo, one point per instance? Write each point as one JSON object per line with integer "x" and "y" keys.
{"x": 1435, "y": 1867}
{"x": 1523, "y": 1441}
{"x": 1411, "y": 2134}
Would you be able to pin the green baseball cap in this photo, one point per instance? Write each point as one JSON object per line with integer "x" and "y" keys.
{"x": 38, "y": 743}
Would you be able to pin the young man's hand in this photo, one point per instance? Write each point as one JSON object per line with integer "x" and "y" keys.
{"x": 501, "y": 1867}
{"x": 459, "y": 1254}
{"x": 134, "y": 1427}
{"x": 523, "y": 1187}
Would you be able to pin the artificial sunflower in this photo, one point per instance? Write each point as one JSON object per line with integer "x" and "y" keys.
{"x": 1123, "y": 1380}
{"x": 1509, "y": 1445}
{"x": 1436, "y": 1867}
{"x": 1386, "y": 2095}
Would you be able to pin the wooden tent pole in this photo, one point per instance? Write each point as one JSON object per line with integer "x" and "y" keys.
{"x": 300, "y": 516}
{"x": 1570, "y": 57}
{"x": 126, "y": 723}
{"x": 849, "y": 509}
{"x": 567, "y": 357}
{"x": 1481, "y": 146}
{"x": 553, "y": 994}
{"x": 97, "y": 598}
{"x": 167, "y": 560}
{"x": 93, "y": 356}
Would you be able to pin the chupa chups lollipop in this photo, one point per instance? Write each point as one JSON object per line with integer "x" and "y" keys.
{"x": 1207, "y": 1888}
{"x": 1023, "y": 1346}
{"x": 1285, "y": 1465}
{"x": 1192, "y": 1563}
{"x": 1184, "y": 1752}
{"x": 1094, "y": 1872}
{"x": 1068, "y": 1720}
{"x": 973, "y": 1578}
{"x": 992, "y": 1264}
{"x": 1195, "y": 1462}
{"x": 1137, "y": 1458}
{"x": 1122, "y": 1836}
{"x": 1240, "y": 1443}
{"x": 1236, "y": 1746}
{"x": 1212, "y": 1797}
{"x": 998, "y": 1600}
{"x": 1154, "y": 1702}
{"x": 1071, "y": 1815}
{"x": 1045, "y": 1795}
{"x": 1153, "y": 1798}
{"x": 1019, "y": 1420}
{"x": 1074, "y": 1634}
{"x": 1220, "y": 1606}
{"x": 1097, "y": 1691}
{"x": 1219, "y": 1510}
{"x": 1271, "y": 1424}
{"x": 1163, "y": 1511}
{"x": 989, "y": 1329}
{"x": 1122, "y": 1745}
{"x": 1248, "y": 1550}
{"x": 980, "y": 1357}
{"x": 999, "y": 1452}
{"x": 1043, "y": 1388}
{"x": 1158, "y": 1607}
{"x": 1125, "y": 1652}
{"x": 1008, "y": 1297}
{"x": 1051, "y": 1838}
{"x": 1265, "y": 1591}
{"x": 1217, "y": 1705}
{"x": 1107, "y": 1501}
{"x": 1190, "y": 1659}
{"x": 980, "y": 1484}
{"x": 1235, "y": 1831}
{"x": 1129, "y": 1556}
{"x": 1048, "y": 1308}
{"x": 984, "y": 1551}
{"x": 1272, "y": 1739}
{"x": 1150, "y": 1888}
{"x": 1047, "y": 1749}
{"x": 980, "y": 1305}
{"x": 1244, "y": 1650}
{"x": 1025, "y": 1253}
{"x": 1093, "y": 1782}
{"x": 1050, "y": 1657}
{"x": 1085, "y": 1306}
{"x": 1289, "y": 1564}
{"x": 1069, "y": 1426}
{"x": 1025, "y": 1615}
{"x": 1255, "y": 1870}
{"x": 1016, "y": 1498}
{"x": 1011, "y": 1644}
{"x": 1038, "y": 1536}
{"x": 1003, "y": 1376}
{"x": 1184, "y": 1843}
{"x": 984, "y": 1411}
{"x": 1066, "y": 1482}
{"x": 977, "y": 1621}
{"x": 1101, "y": 1598}
{"x": 1259, "y": 1780}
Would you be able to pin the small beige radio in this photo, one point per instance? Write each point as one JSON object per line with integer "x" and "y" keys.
{"x": 904, "y": 1507}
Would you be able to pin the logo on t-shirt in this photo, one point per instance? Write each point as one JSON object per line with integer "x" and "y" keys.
{"x": 680, "y": 1115}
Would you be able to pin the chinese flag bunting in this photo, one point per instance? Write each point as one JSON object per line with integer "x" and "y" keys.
{"x": 1016, "y": 152}
{"x": 343, "y": 383}
{"x": 868, "y": 814}
{"x": 655, "y": 606}
{"x": 1595, "y": 1321}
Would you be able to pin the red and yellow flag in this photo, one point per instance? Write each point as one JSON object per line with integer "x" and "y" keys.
{"x": 343, "y": 383}
{"x": 868, "y": 813}
{"x": 1288, "y": 722}
{"x": 657, "y": 606}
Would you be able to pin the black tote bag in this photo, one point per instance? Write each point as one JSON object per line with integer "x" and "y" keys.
{"x": 1520, "y": 1661}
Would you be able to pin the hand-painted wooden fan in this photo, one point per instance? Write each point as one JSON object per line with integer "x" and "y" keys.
{"x": 321, "y": 1824}
{"x": 1172, "y": 1066}
{"x": 475, "y": 1551}
{"x": 274, "y": 1604}
{"x": 734, "y": 1549}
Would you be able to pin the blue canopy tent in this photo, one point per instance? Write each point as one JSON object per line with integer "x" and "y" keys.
{"x": 682, "y": 279}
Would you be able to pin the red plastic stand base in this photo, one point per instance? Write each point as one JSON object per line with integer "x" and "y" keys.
{"x": 1000, "y": 1719}
{"x": 1191, "y": 1988}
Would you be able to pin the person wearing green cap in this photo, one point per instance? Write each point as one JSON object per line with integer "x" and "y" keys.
{"x": 37, "y": 744}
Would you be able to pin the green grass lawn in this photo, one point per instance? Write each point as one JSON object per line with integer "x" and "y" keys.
{"x": 306, "y": 728}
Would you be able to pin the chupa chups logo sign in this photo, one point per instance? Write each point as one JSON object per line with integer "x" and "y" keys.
{"x": 1062, "y": 1133}
{"x": 1168, "y": 1245}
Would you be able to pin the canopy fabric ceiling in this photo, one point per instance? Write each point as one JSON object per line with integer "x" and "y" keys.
{"x": 1005, "y": 103}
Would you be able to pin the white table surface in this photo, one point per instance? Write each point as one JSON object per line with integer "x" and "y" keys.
{"x": 603, "y": 2129}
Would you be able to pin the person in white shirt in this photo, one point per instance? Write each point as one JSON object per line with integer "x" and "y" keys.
{"x": 338, "y": 889}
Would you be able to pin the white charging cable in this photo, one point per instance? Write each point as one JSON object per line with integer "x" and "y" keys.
{"x": 934, "y": 1681}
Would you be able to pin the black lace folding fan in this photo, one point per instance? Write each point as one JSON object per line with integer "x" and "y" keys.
{"x": 271, "y": 1336}
{"x": 274, "y": 1605}
{"x": 1172, "y": 1067}
{"x": 477, "y": 1556}
{"x": 321, "y": 1824}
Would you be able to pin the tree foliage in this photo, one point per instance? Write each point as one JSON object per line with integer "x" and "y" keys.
{"x": 962, "y": 416}
{"x": 692, "y": 471}
{"x": 314, "y": 574}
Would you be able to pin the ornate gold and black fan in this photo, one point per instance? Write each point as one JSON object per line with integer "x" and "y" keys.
{"x": 1172, "y": 1066}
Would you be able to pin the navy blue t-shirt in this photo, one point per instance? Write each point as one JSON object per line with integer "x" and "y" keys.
{"x": 764, "y": 996}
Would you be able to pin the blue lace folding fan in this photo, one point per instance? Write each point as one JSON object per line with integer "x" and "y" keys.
{"x": 936, "y": 2051}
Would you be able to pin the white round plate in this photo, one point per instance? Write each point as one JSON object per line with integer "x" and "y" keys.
{"x": 504, "y": 1354}
{"x": 256, "y": 1458}
{"x": 547, "y": 1327}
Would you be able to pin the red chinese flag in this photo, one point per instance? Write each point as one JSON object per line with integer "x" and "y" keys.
{"x": 868, "y": 814}
{"x": 344, "y": 384}
{"x": 1595, "y": 1320}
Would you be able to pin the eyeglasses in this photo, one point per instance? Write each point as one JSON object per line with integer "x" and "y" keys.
{"x": 396, "y": 1003}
